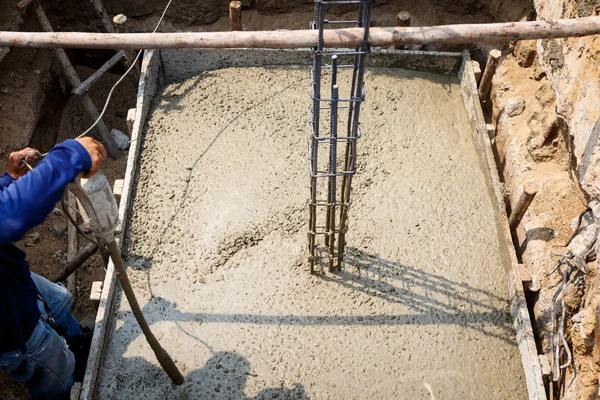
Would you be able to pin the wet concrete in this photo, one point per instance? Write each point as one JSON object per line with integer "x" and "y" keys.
{"x": 217, "y": 249}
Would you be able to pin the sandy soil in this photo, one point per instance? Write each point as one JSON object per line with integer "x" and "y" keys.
{"x": 217, "y": 251}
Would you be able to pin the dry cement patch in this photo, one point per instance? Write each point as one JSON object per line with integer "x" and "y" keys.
{"x": 217, "y": 250}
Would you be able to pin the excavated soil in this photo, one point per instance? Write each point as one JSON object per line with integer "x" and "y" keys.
{"x": 217, "y": 251}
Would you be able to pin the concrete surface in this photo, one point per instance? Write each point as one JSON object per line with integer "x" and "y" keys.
{"x": 216, "y": 249}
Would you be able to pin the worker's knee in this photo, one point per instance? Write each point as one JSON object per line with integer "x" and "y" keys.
{"x": 57, "y": 298}
{"x": 46, "y": 364}
{"x": 56, "y": 308}
{"x": 53, "y": 363}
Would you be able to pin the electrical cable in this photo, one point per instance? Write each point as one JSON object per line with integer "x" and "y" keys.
{"x": 108, "y": 98}
{"x": 123, "y": 77}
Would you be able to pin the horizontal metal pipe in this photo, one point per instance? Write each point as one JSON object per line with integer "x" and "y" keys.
{"x": 350, "y": 37}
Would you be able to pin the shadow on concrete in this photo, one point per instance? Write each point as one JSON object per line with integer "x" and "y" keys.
{"x": 432, "y": 300}
{"x": 224, "y": 376}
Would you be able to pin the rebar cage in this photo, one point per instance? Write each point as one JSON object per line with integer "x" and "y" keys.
{"x": 329, "y": 201}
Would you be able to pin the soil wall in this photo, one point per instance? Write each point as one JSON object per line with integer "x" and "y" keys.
{"x": 546, "y": 111}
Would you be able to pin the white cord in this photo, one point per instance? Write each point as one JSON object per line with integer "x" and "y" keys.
{"x": 123, "y": 77}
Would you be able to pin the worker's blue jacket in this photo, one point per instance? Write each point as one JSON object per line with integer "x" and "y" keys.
{"x": 25, "y": 203}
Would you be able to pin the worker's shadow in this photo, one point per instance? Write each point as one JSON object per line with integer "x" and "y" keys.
{"x": 224, "y": 376}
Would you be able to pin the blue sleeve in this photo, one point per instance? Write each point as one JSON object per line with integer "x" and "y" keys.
{"x": 5, "y": 180}
{"x": 27, "y": 201}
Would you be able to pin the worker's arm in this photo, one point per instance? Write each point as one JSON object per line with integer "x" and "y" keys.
{"x": 25, "y": 202}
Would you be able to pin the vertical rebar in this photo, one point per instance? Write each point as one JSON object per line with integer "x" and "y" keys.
{"x": 350, "y": 164}
{"x": 314, "y": 147}
{"x": 332, "y": 174}
{"x": 330, "y": 199}
{"x": 332, "y": 205}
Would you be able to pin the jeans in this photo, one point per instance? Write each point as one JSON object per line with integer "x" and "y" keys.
{"x": 46, "y": 364}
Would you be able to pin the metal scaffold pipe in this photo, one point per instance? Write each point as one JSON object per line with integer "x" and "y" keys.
{"x": 350, "y": 37}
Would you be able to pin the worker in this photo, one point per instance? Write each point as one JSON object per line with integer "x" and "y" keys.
{"x": 36, "y": 325}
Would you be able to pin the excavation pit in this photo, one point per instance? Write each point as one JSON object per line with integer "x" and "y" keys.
{"x": 215, "y": 221}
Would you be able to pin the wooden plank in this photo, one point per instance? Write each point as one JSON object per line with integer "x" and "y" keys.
{"x": 350, "y": 37}
{"x": 96, "y": 293}
{"x": 75, "y": 82}
{"x": 149, "y": 83}
{"x": 518, "y": 304}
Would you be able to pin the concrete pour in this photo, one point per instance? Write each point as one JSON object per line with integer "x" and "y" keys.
{"x": 217, "y": 251}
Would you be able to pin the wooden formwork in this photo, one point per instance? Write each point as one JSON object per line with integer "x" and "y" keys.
{"x": 173, "y": 65}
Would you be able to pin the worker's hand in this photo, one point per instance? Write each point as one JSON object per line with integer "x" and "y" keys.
{"x": 96, "y": 151}
{"x": 15, "y": 166}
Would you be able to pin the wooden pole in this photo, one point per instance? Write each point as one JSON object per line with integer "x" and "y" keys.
{"x": 530, "y": 189}
{"x": 161, "y": 355}
{"x": 76, "y": 262}
{"x": 23, "y": 4}
{"x": 101, "y": 11}
{"x": 75, "y": 82}
{"x": 350, "y": 37}
{"x": 71, "y": 242}
{"x": 85, "y": 86}
{"x": 403, "y": 19}
{"x": 235, "y": 15}
{"x": 488, "y": 74}
{"x": 110, "y": 28}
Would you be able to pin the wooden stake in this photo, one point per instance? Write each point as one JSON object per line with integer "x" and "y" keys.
{"x": 71, "y": 242}
{"x": 110, "y": 28}
{"x": 530, "y": 189}
{"x": 23, "y": 4}
{"x": 350, "y": 37}
{"x": 235, "y": 15}
{"x": 488, "y": 74}
{"x": 75, "y": 82}
{"x": 403, "y": 19}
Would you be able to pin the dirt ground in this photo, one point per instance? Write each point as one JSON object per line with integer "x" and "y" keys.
{"x": 534, "y": 144}
{"x": 49, "y": 254}
{"x": 217, "y": 251}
